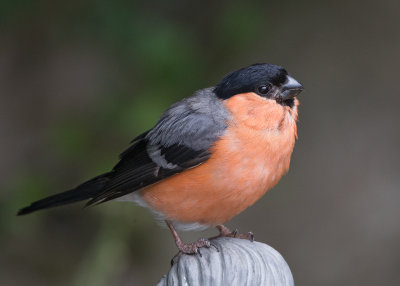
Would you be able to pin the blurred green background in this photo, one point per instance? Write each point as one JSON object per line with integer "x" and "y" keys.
{"x": 80, "y": 79}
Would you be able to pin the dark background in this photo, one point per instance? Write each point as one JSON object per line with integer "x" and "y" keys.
{"x": 79, "y": 79}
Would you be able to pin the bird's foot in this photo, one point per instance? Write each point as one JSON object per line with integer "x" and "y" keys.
{"x": 225, "y": 232}
{"x": 192, "y": 248}
{"x": 188, "y": 248}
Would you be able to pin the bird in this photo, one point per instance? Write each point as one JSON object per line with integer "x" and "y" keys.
{"x": 208, "y": 158}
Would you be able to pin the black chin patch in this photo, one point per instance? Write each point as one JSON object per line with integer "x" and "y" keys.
{"x": 287, "y": 102}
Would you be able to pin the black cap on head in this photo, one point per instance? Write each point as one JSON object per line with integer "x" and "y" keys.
{"x": 249, "y": 79}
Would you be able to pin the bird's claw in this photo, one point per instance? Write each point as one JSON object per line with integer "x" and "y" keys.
{"x": 225, "y": 232}
{"x": 192, "y": 248}
{"x": 251, "y": 236}
{"x": 248, "y": 236}
{"x": 214, "y": 245}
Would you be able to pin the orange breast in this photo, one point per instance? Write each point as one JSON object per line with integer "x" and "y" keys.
{"x": 246, "y": 162}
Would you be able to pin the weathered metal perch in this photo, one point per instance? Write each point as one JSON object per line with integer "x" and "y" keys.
{"x": 238, "y": 262}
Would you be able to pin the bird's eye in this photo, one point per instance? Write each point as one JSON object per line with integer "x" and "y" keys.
{"x": 263, "y": 89}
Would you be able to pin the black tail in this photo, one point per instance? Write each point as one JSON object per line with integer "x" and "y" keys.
{"x": 84, "y": 191}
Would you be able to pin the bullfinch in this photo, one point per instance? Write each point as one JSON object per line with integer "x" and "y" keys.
{"x": 208, "y": 158}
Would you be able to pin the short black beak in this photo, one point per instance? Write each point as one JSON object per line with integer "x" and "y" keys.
{"x": 291, "y": 88}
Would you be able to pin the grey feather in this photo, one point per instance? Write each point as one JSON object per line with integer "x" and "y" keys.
{"x": 195, "y": 122}
{"x": 154, "y": 151}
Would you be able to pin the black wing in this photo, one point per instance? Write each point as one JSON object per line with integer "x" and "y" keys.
{"x": 137, "y": 169}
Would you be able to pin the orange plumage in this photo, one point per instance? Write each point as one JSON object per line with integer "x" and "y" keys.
{"x": 247, "y": 161}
